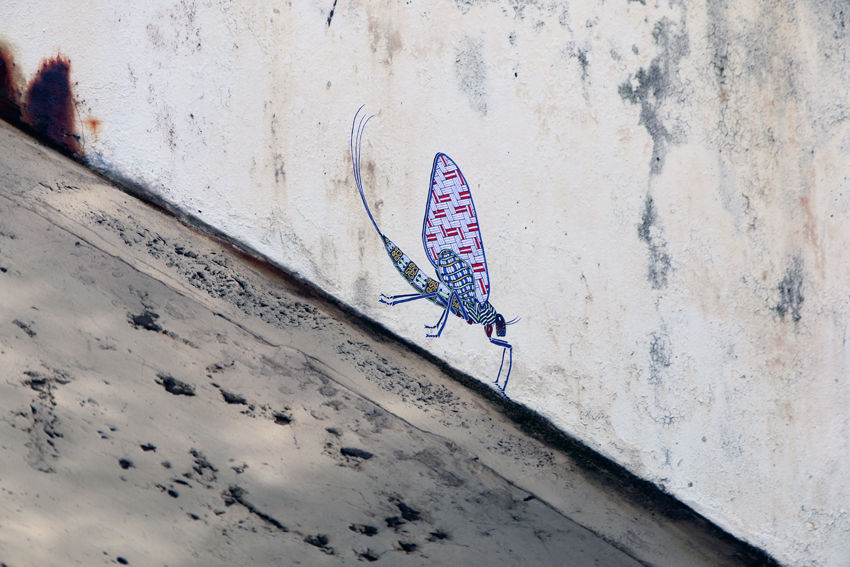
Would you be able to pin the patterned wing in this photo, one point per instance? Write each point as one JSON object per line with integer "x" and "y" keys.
{"x": 451, "y": 223}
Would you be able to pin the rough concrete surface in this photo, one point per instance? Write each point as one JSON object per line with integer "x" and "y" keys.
{"x": 163, "y": 401}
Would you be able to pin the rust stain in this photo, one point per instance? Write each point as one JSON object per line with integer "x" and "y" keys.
{"x": 93, "y": 124}
{"x": 49, "y": 105}
{"x": 10, "y": 92}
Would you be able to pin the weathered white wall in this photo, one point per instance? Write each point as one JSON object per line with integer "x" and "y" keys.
{"x": 662, "y": 189}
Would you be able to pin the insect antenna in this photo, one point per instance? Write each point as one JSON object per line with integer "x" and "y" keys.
{"x": 514, "y": 320}
{"x": 355, "y": 147}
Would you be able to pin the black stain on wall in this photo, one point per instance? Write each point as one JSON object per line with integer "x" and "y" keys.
{"x": 47, "y": 110}
{"x": 49, "y": 104}
{"x": 659, "y": 259}
{"x": 650, "y": 88}
{"x": 471, "y": 74}
{"x": 791, "y": 291}
{"x": 10, "y": 108}
{"x": 659, "y": 357}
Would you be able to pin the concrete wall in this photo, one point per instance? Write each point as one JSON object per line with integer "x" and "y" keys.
{"x": 662, "y": 189}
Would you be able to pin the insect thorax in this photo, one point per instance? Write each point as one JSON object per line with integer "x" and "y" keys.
{"x": 456, "y": 274}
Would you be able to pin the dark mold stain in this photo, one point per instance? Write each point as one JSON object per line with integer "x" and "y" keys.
{"x": 581, "y": 55}
{"x": 791, "y": 291}
{"x": 49, "y": 104}
{"x": 659, "y": 357}
{"x": 126, "y": 464}
{"x": 656, "y": 84}
{"x": 659, "y": 259}
{"x": 358, "y": 453}
{"x": 471, "y": 74}
{"x": 175, "y": 386}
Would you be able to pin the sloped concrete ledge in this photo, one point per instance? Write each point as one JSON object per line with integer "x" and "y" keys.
{"x": 631, "y": 515}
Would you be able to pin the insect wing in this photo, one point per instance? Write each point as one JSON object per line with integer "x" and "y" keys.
{"x": 451, "y": 223}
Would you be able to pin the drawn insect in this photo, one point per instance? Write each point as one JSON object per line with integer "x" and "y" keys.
{"x": 454, "y": 246}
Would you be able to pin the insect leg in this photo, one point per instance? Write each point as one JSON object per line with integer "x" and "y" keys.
{"x": 396, "y": 299}
{"x": 506, "y": 347}
{"x": 445, "y": 316}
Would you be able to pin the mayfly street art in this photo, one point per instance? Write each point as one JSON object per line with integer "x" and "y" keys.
{"x": 454, "y": 246}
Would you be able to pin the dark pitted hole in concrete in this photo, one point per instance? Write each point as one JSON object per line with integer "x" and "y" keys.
{"x": 363, "y": 529}
{"x": 126, "y": 464}
{"x": 148, "y": 447}
{"x": 408, "y": 547}
{"x": 146, "y": 320}
{"x": 394, "y": 522}
{"x": 281, "y": 418}
{"x": 408, "y": 513}
{"x": 368, "y": 555}
{"x": 353, "y": 452}
{"x": 175, "y": 386}
{"x": 439, "y": 534}
{"x": 233, "y": 398}
{"x": 122, "y": 561}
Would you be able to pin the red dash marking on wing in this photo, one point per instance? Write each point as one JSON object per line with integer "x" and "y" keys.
{"x": 440, "y": 214}
{"x": 464, "y": 195}
{"x": 433, "y": 253}
{"x": 477, "y": 244}
{"x": 431, "y": 237}
{"x": 478, "y": 267}
{"x": 483, "y": 289}
{"x": 445, "y": 164}
{"x": 473, "y": 227}
{"x": 465, "y": 249}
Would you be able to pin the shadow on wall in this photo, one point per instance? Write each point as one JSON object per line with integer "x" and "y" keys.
{"x": 47, "y": 109}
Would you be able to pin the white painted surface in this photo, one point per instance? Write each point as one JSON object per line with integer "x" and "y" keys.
{"x": 677, "y": 247}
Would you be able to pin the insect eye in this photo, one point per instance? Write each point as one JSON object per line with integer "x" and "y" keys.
{"x": 489, "y": 329}
{"x": 500, "y": 326}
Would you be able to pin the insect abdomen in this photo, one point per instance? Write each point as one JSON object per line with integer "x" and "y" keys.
{"x": 411, "y": 271}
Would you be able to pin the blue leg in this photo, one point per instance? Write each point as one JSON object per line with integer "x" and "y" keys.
{"x": 397, "y": 299}
{"x": 506, "y": 347}
{"x": 444, "y": 318}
